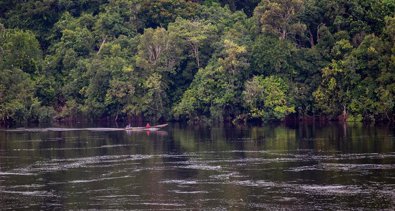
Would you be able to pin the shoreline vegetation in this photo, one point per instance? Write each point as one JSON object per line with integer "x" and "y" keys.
{"x": 197, "y": 61}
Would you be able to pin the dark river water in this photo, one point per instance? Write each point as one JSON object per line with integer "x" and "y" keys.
{"x": 303, "y": 167}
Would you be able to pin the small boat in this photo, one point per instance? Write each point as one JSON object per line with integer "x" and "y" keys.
{"x": 152, "y": 128}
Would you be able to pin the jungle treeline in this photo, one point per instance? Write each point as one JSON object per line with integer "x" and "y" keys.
{"x": 197, "y": 60}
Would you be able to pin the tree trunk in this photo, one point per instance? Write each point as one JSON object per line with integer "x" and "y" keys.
{"x": 116, "y": 117}
{"x": 101, "y": 46}
{"x": 311, "y": 38}
{"x": 343, "y": 116}
{"x": 283, "y": 34}
{"x": 318, "y": 32}
{"x": 195, "y": 52}
{"x": 197, "y": 58}
{"x": 388, "y": 116}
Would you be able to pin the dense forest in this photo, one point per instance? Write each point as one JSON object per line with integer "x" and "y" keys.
{"x": 197, "y": 60}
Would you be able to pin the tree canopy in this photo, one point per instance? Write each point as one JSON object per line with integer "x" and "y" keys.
{"x": 197, "y": 60}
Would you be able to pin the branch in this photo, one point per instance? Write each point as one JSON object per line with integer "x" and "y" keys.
{"x": 101, "y": 46}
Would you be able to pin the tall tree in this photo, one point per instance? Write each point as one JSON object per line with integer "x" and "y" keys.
{"x": 157, "y": 57}
{"x": 20, "y": 62}
{"x": 161, "y": 13}
{"x": 267, "y": 98}
{"x": 193, "y": 33}
{"x": 216, "y": 90}
{"x": 280, "y": 17}
{"x": 273, "y": 56}
{"x": 20, "y": 49}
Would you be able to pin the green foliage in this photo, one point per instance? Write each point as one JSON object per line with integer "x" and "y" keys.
{"x": 193, "y": 34}
{"x": 273, "y": 56}
{"x": 267, "y": 98}
{"x": 161, "y": 13}
{"x": 307, "y": 63}
{"x": 356, "y": 82}
{"x": 279, "y": 17}
{"x": 40, "y": 15}
{"x": 191, "y": 59}
{"x": 208, "y": 92}
{"x": 20, "y": 61}
{"x": 157, "y": 51}
{"x": 216, "y": 89}
{"x": 334, "y": 92}
{"x": 222, "y": 17}
{"x": 111, "y": 80}
{"x": 356, "y": 118}
{"x": 119, "y": 18}
{"x": 16, "y": 95}
{"x": 20, "y": 49}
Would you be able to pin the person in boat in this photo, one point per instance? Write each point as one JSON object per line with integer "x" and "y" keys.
{"x": 147, "y": 125}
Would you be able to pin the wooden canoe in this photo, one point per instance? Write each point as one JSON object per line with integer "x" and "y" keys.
{"x": 152, "y": 128}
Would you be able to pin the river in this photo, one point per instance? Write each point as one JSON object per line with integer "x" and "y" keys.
{"x": 302, "y": 167}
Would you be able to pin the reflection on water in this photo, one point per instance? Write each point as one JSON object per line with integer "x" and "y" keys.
{"x": 303, "y": 167}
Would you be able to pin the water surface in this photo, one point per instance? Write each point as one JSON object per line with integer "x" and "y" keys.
{"x": 302, "y": 167}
